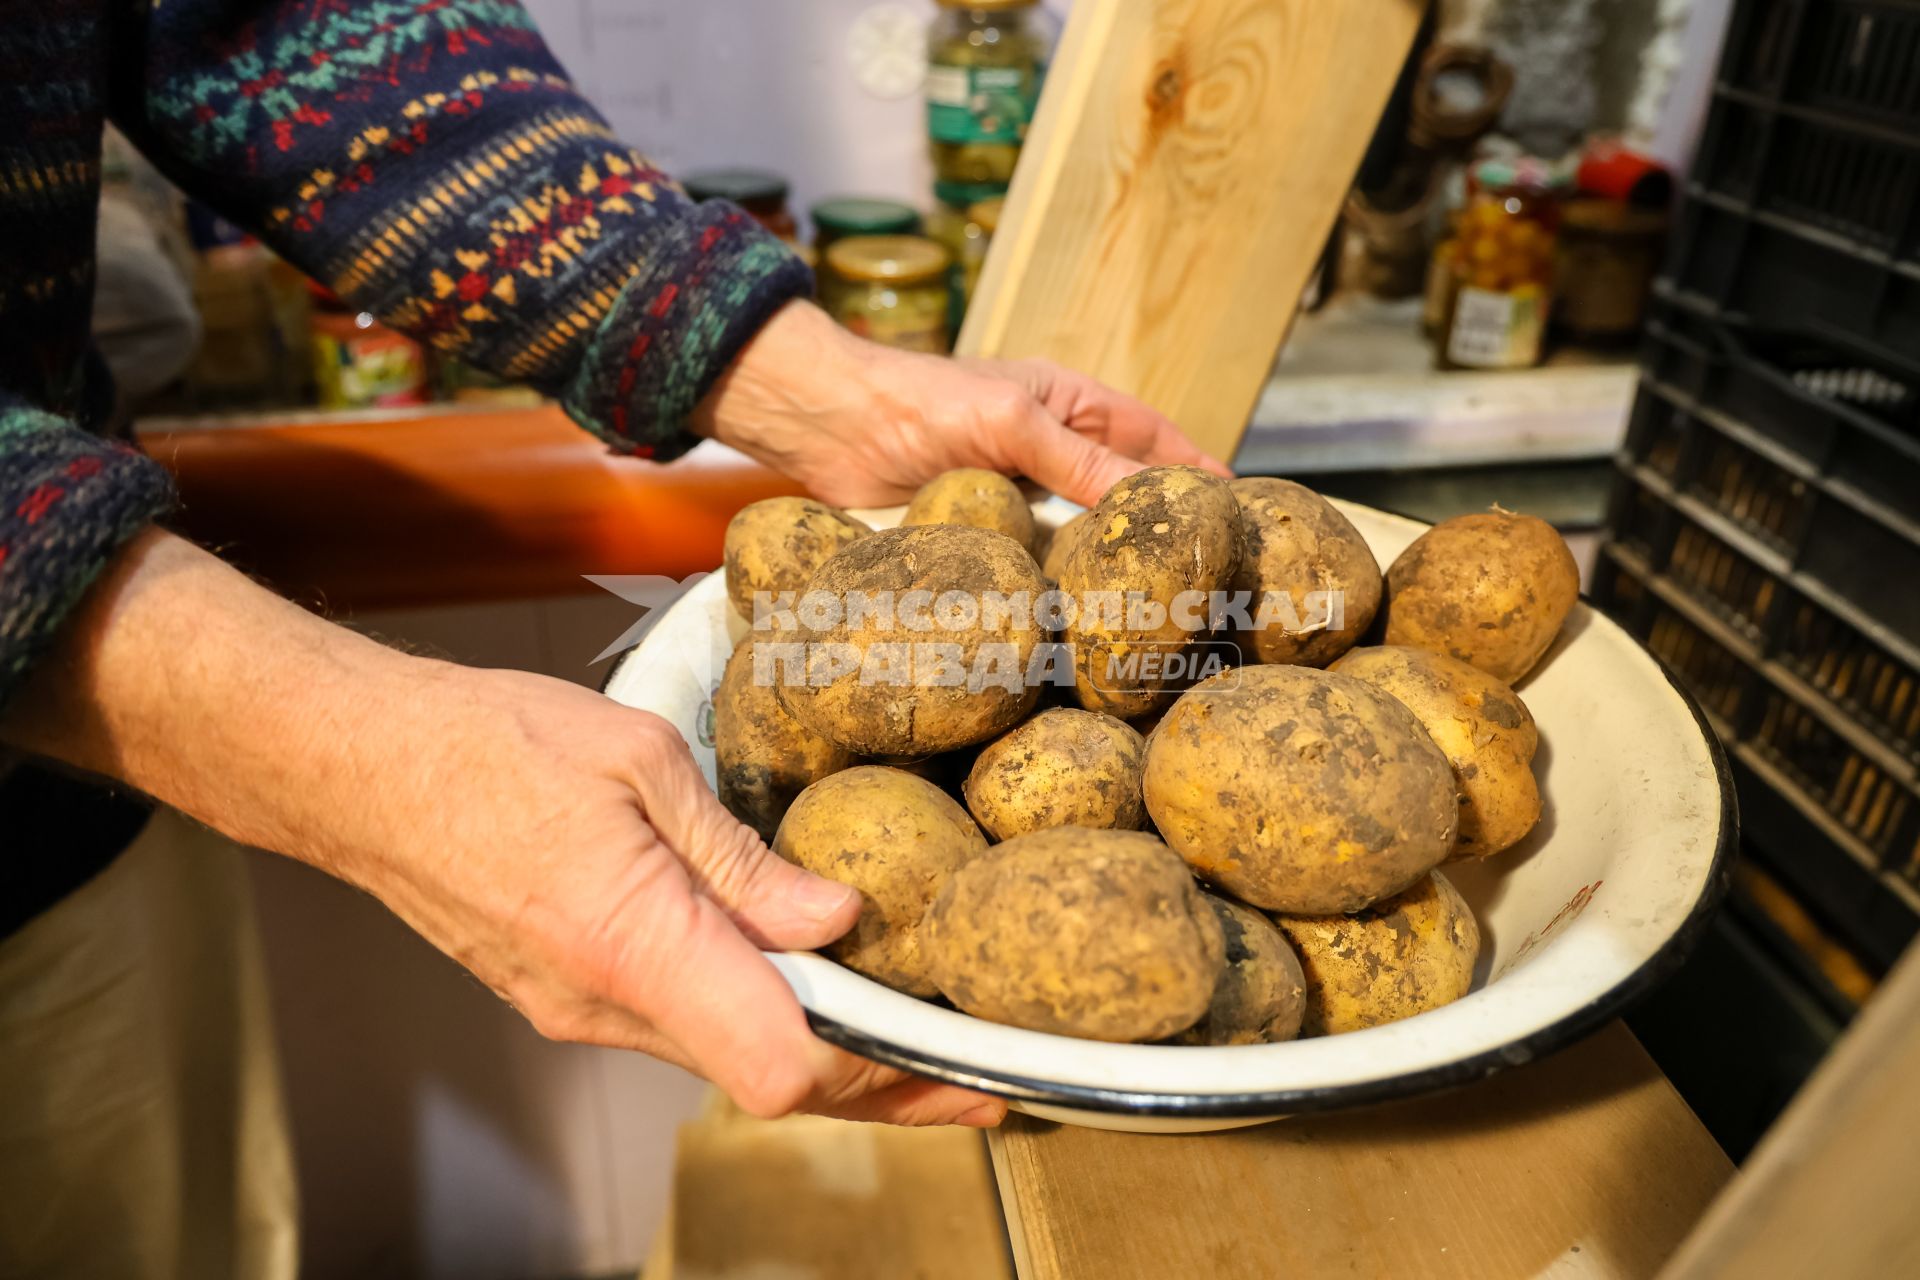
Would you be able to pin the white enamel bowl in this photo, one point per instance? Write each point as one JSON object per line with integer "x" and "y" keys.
{"x": 1598, "y": 904}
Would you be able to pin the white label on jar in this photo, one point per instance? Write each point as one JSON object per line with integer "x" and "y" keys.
{"x": 948, "y": 86}
{"x": 1494, "y": 330}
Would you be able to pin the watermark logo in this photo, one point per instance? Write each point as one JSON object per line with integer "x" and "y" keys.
{"x": 989, "y": 640}
{"x": 652, "y": 592}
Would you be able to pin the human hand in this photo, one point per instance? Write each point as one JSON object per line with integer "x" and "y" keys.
{"x": 568, "y": 851}
{"x": 864, "y": 425}
{"x": 564, "y": 848}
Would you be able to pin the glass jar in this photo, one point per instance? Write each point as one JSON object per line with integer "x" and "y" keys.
{"x": 838, "y": 219}
{"x": 965, "y": 234}
{"x": 760, "y": 192}
{"x": 892, "y": 289}
{"x": 858, "y": 216}
{"x": 985, "y": 62}
{"x": 359, "y": 363}
{"x": 1494, "y": 275}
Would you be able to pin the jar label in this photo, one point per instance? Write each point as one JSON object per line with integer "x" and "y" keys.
{"x": 980, "y": 104}
{"x": 1496, "y": 330}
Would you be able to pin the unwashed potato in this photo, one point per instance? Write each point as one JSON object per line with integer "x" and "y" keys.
{"x": 1262, "y": 994}
{"x": 1159, "y": 533}
{"x": 775, "y": 545}
{"x": 1053, "y": 556}
{"x": 971, "y": 496}
{"x": 1491, "y": 589}
{"x": 896, "y": 838}
{"x": 1409, "y": 954}
{"x": 1098, "y": 934}
{"x": 1300, "y": 790}
{"x": 1485, "y": 730}
{"x": 862, "y": 709}
{"x": 1062, "y": 768}
{"x": 1299, "y": 545}
{"x": 763, "y": 757}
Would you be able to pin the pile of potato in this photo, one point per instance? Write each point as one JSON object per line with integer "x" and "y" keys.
{"x": 1237, "y": 860}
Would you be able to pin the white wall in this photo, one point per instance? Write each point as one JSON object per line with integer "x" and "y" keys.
{"x": 767, "y": 83}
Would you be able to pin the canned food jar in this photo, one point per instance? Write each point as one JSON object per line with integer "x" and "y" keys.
{"x": 892, "y": 289}
{"x": 985, "y": 62}
{"x": 760, "y": 192}
{"x": 1495, "y": 274}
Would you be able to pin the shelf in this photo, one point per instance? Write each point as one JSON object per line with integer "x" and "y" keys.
{"x": 446, "y": 504}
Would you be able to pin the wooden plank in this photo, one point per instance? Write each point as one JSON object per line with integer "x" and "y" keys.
{"x": 1830, "y": 1190}
{"x": 1585, "y": 1164}
{"x": 807, "y": 1198}
{"x": 1186, "y": 164}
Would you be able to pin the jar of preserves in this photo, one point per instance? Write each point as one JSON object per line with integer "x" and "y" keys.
{"x": 846, "y": 216}
{"x": 359, "y": 363}
{"x": 839, "y": 219}
{"x": 760, "y": 192}
{"x": 964, "y": 233}
{"x": 892, "y": 289}
{"x": 1494, "y": 275}
{"x": 985, "y": 62}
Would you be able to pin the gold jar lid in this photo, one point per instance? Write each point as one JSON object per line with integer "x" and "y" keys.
{"x": 987, "y": 5}
{"x": 986, "y": 213}
{"x": 888, "y": 259}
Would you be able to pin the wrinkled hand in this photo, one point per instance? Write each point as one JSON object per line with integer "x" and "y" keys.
{"x": 564, "y": 848}
{"x": 864, "y": 425}
{"x": 610, "y": 898}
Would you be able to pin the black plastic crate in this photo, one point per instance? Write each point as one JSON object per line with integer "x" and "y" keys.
{"x": 1810, "y": 459}
{"x": 1780, "y": 622}
{"x": 1842, "y": 804}
{"x": 1804, "y": 208}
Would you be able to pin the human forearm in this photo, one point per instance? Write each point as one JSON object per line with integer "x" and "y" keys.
{"x": 180, "y": 676}
{"x": 563, "y": 848}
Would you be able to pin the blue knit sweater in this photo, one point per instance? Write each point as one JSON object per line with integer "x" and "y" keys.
{"x": 426, "y": 159}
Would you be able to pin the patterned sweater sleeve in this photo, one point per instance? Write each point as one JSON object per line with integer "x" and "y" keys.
{"x": 429, "y": 161}
{"x": 71, "y": 499}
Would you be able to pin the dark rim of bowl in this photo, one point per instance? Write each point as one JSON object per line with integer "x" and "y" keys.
{"x": 1568, "y": 1029}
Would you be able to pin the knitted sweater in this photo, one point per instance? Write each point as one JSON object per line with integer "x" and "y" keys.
{"x": 427, "y": 159}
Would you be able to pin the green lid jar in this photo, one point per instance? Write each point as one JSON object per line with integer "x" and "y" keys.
{"x": 892, "y": 289}
{"x": 985, "y": 62}
{"x": 845, "y": 216}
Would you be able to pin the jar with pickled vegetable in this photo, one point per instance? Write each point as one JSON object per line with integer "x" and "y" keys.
{"x": 846, "y": 216}
{"x": 1495, "y": 273}
{"x": 964, "y": 233}
{"x": 985, "y": 62}
{"x": 892, "y": 289}
{"x": 761, "y": 193}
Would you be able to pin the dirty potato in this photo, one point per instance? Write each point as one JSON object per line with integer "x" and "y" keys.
{"x": 970, "y": 496}
{"x": 1098, "y": 934}
{"x": 1491, "y": 589}
{"x": 763, "y": 757}
{"x": 1262, "y": 995}
{"x": 882, "y": 684}
{"x": 1062, "y": 768}
{"x": 1409, "y": 954}
{"x": 1165, "y": 537}
{"x": 896, "y": 838}
{"x": 1300, "y": 790}
{"x": 1300, "y": 547}
{"x": 1053, "y": 556}
{"x": 774, "y": 546}
{"x": 1481, "y": 725}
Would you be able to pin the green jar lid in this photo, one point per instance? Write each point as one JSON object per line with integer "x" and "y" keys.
{"x": 859, "y": 216}
{"x": 745, "y": 187}
{"x": 964, "y": 195}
